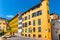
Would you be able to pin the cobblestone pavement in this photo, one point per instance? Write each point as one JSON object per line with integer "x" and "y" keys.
{"x": 21, "y": 38}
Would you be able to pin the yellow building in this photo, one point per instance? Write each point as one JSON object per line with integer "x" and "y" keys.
{"x": 3, "y": 24}
{"x": 36, "y": 21}
{"x": 13, "y": 23}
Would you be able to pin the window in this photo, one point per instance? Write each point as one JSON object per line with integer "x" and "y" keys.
{"x": 34, "y": 35}
{"x": 33, "y": 22}
{"x": 25, "y": 30}
{"x": 39, "y": 36}
{"x": 34, "y": 15}
{"x": 29, "y": 30}
{"x": 19, "y": 27}
{"x": 39, "y": 13}
{"x": 49, "y": 30}
{"x": 39, "y": 22}
{"x": 22, "y": 34}
{"x": 26, "y": 24}
{"x": 26, "y": 35}
{"x": 48, "y": 11}
{"x": 29, "y": 35}
{"x": 39, "y": 29}
{"x": 23, "y": 24}
{"x": 29, "y": 22}
{"x": 33, "y": 29}
{"x": 26, "y": 18}
{"x": 48, "y": 20}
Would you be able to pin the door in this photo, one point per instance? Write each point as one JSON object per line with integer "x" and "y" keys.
{"x": 59, "y": 36}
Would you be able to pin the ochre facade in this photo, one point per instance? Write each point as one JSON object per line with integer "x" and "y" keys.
{"x": 13, "y": 23}
{"x": 36, "y": 22}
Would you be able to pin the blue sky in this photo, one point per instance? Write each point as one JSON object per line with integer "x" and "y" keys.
{"x": 9, "y": 8}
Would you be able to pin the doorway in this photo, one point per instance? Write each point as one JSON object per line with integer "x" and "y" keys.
{"x": 59, "y": 36}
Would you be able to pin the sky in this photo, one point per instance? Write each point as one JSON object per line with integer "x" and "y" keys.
{"x": 9, "y": 8}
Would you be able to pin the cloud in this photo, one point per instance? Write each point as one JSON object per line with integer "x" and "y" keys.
{"x": 10, "y": 16}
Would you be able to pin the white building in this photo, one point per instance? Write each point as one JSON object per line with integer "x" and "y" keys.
{"x": 19, "y": 24}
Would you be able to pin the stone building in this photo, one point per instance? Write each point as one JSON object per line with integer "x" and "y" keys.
{"x": 55, "y": 23}
{"x": 56, "y": 29}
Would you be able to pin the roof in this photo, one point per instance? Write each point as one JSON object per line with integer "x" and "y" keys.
{"x": 53, "y": 13}
{"x": 27, "y": 10}
{"x": 32, "y": 8}
{"x": 20, "y": 14}
{"x": 3, "y": 19}
{"x": 13, "y": 18}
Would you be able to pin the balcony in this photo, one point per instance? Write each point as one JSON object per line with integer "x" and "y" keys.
{"x": 20, "y": 25}
{"x": 19, "y": 30}
{"x": 19, "y": 21}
